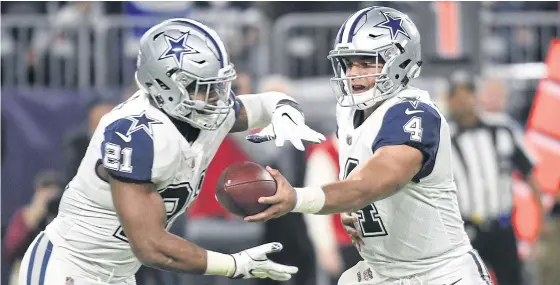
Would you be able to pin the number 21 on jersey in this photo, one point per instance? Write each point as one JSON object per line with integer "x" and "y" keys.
{"x": 368, "y": 217}
{"x": 112, "y": 158}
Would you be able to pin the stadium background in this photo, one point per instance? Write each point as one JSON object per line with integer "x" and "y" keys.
{"x": 61, "y": 59}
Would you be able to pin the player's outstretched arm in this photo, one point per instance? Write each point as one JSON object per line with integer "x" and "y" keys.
{"x": 142, "y": 215}
{"x": 404, "y": 150}
{"x": 279, "y": 115}
{"x": 133, "y": 159}
{"x": 387, "y": 171}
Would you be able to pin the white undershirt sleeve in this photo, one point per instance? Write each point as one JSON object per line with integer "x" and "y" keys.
{"x": 259, "y": 107}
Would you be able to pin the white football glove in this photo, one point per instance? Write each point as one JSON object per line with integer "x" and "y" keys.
{"x": 253, "y": 263}
{"x": 288, "y": 123}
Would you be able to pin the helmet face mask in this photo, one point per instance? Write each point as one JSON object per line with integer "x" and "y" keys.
{"x": 384, "y": 37}
{"x": 364, "y": 69}
{"x": 184, "y": 67}
{"x": 206, "y": 102}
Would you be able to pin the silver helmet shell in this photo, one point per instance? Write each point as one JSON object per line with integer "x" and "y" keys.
{"x": 184, "y": 66}
{"x": 390, "y": 38}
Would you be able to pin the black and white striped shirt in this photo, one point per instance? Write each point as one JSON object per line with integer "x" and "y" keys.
{"x": 484, "y": 158}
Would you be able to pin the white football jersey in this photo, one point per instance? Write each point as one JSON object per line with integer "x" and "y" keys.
{"x": 134, "y": 142}
{"x": 419, "y": 227}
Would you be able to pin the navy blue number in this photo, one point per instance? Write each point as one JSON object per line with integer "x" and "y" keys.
{"x": 175, "y": 199}
{"x": 370, "y": 221}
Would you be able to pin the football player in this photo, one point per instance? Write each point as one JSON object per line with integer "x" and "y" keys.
{"x": 145, "y": 165}
{"x": 395, "y": 162}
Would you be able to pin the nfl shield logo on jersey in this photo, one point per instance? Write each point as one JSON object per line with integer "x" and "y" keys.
{"x": 368, "y": 275}
{"x": 69, "y": 281}
{"x": 365, "y": 275}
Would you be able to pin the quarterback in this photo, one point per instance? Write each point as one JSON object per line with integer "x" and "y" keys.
{"x": 145, "y": 165}
{"x": 395, "y": 162}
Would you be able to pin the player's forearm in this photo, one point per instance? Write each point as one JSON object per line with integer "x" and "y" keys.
{"x": 260, "y": 107}
{"x": 350, "y": 195}
{"x": 142, "y": 214}
{"x": 338, "y": 197}
{"x": 173, "y": 253}
{"x": 167, "y": 251}
{"x": 374, "y": 181}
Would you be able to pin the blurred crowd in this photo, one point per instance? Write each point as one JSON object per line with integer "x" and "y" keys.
{"x": 47, "y": 50}
{"x": 316, "y": 244}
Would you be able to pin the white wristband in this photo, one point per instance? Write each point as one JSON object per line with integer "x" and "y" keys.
{"x": 310, "y": 200}
{"x": 219, "y": 264}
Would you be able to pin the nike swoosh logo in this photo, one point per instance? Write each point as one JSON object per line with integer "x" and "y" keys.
{"x": 374, "y": 36}
{"x": 289, "y": 118}
{"x": 410, "y": 112}
{"x": 456, "y": 282}
{"x": 123, "y": 137}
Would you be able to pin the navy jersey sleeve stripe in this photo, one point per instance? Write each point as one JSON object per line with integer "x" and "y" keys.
{"x": 416, "y": 125}
{"x": 129, "y": 156}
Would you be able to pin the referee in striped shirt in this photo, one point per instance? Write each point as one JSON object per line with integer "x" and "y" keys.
{"x": 486, "y": 149}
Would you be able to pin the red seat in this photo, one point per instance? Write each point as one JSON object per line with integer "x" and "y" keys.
{"x": 545, "y": 113}
{"x": 547, "y": 151}
{"x": 526, "y": 216}
{"x": 543, "y": 128}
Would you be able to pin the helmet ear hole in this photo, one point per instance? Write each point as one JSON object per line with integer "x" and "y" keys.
{"x": 162, "y": 85}
{"x": 415, "y": 70}
{"x": 405, "y": 64}
{"x": 171, "y": 71}
{"x": 400, "y": 47}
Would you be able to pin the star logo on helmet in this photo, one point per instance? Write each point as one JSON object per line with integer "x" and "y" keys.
{"x": 394, "y": 25}
{"x": 177, "y": 47}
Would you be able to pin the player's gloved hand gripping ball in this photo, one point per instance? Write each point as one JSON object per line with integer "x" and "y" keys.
{"x": 287, "y": 124}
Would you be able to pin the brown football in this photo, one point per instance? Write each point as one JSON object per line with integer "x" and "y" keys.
{"x": 241, "y": 185}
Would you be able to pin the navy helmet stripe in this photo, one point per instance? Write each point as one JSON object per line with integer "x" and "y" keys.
{"x": 353, "y": 27}
{"x": 341, "y": 32}
{"x": 201, "y": 29}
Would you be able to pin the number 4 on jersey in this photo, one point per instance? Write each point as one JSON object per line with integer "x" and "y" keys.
{"x": 370, "y": 222}
{"x": 414, "y": 128}
{"x": 368, "y": 217}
